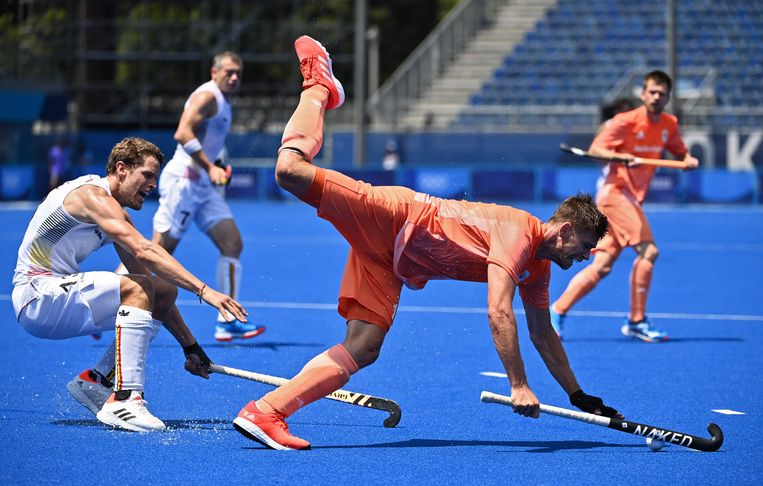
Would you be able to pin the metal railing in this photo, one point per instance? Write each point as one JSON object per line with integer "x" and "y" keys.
{"x": 429, "y": 59}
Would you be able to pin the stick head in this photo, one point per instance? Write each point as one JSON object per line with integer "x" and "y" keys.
{"x": 716, "y": 437}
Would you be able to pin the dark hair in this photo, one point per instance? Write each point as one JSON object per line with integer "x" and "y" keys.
{"x": 581, "y": 211}
{"x": 132, "y": 151}
{"x": 659, "y": 77}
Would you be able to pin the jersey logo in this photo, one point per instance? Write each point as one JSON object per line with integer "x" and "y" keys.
{"x": 99, "y": 234}
{"x": 664, "y": 136}
{"x": 124, "y": 313}
{"x": 640, "y": 135}
{"x": 524, "y": 275}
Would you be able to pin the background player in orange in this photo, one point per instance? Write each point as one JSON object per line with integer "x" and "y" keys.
{"x": 643, "y": 132}
{"x": 398, "y": 236}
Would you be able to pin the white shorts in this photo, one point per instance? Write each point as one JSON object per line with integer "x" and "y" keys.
{"x": 188, "y": 197}
{"x": 65, "y": 307}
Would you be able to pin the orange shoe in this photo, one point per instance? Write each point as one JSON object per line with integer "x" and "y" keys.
{"x": 315, "y": 64}
{"x": 269, "y": 429}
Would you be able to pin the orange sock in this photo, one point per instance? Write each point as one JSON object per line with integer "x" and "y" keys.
{"x": 325, "y": 373}
{"x": 579, "y": 286}
{"x": 305, "y": 128}
{"x": 641, "y": 278}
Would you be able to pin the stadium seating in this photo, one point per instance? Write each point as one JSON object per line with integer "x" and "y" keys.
{"x": 581, "y": 48}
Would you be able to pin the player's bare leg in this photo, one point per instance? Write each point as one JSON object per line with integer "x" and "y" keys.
{"x": 580, "y": 286}
{"x": 228, "y": 272}
{"x": 263, "y": 420}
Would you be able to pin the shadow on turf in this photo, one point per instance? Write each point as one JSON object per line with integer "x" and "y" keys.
{"x": 526, "y": 446}
{"x": 671, "y": 340}
{"x": 201, "y": 424}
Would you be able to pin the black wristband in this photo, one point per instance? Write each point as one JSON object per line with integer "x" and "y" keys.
{"x": 574, "y": 397}
{"x": 198, "y": 351}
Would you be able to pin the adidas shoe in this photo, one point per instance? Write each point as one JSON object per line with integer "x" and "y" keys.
{"x": 228, "y": 331}
{"x": 557, "y": 321}
{"x": 316, "y": 67}
{"x": 269, "y": 429}
{"x": 90, "y": 390}
{"x": 129, "y": 414}
{"x": 643, "y": 330}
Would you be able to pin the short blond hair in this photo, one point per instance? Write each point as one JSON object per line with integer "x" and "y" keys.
{"x": 132, "y": 151}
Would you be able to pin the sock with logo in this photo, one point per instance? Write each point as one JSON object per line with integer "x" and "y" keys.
{"x": 134, "y": 328}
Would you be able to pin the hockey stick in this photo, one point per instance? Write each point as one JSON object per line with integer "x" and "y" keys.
{"x": 635, "y": 428}
{"x": 353, "y": 398}
{"x": 673, "y": 164}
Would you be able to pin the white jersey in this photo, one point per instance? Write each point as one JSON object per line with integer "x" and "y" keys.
{"x": 55, "y": 242}
{"x": 211, "y": 132}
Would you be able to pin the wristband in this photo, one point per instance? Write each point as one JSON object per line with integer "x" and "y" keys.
{"x": 198, "y": 351}
{"x": 192, "y": 146}
{"x": 201, "y": 292}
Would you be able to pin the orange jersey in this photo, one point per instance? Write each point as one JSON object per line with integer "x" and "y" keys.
{"x": 448, "y": 239}
{"x": 633, "y": 132}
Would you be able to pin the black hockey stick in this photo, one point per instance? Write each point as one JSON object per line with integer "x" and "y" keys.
{"x": 649, "y": 431}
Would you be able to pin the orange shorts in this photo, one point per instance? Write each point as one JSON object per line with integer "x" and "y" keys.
{"x": 628, "y": 225}
{"x": 369, "y": 218}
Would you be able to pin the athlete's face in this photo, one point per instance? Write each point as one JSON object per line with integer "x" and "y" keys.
{"x": 655, "y": 96}
{"x": 137, "y": 183}
{"x": 227, "y": 76}
{"x": 573, "y": 246}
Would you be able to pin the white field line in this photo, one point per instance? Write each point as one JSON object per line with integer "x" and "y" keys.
{"x": 477, "y": 310}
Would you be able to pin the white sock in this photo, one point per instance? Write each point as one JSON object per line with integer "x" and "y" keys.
{"x": 157, "y": 326}
{"x": 228, "y": 275}
{"x": 134, "y": 328}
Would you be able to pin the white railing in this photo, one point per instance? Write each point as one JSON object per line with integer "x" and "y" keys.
{"x": 387, "y": 105}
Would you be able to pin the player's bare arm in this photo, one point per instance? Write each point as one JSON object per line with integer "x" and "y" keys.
{"x": 94, "y": 205}
{"x": 550, "y": 347}
{"x": 201, "y": 106}
{"x": 503, "y": 324}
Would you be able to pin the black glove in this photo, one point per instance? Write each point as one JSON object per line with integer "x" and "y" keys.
{"x": 196, "y": 360}
{"x": 592, "y": 404}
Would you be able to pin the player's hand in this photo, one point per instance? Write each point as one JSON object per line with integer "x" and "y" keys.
{"x": 217, "y": 175}
{"x": 225, "y": 304}
{"x": 594, "y": 405}
{"x": 691, "y": 162}
{"x": 227, "y": 168}
{"x": 196, "y": 360}
{"x": 525, "y": 402}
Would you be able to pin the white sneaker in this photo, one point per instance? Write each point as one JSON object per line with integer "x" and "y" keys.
{"x": 89, "y": 392}
{"x": 130, "y": 414}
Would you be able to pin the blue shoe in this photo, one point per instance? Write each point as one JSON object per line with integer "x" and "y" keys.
{"x": 557, "y": 321}
{"x": 644, "y": 330}
{"x": 228, "y": 331}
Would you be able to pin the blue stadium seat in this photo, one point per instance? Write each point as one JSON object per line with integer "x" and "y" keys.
{"x": 580, "y": 48}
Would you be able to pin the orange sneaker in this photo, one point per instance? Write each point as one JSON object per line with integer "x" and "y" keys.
{"x": 315, "y": 64}
{"x": 269, "y": 429}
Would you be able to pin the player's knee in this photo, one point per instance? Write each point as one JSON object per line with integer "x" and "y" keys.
{"x": 366, "y": 356}
{"x": 603, "y": 270}
{"x": 165, "y": 293}
{"x": 137, "y": 291}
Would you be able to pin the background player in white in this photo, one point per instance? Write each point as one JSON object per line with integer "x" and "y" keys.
{"x": 53, "y": 300}
{"x": 187, "y": 186}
